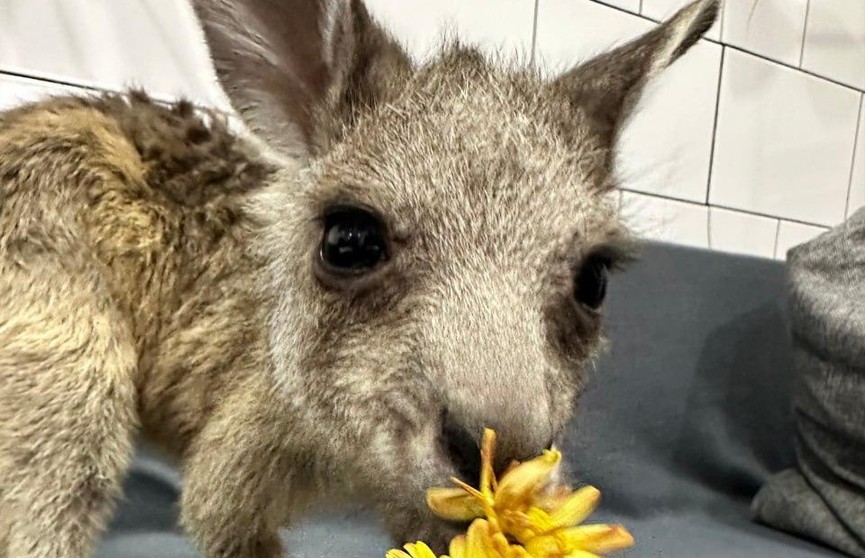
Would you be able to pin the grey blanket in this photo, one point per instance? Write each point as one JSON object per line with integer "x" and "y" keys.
{"x": 823, "y": 497}
{"x": 687, "y": 416}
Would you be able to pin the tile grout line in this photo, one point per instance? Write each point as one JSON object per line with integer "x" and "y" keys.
{"x": 743, "y": 50}
{"x": 853, "y": 162}
{"x": 726, "y": 208}
{"x": 54, "y": 81}
{"x": 534, "y": 34}
{"x": 709, "y": 228}
{"x": 777, "y": 237}
{"x": 804, "y": 33}
{"x": 715, "y": 124}
{"x": 721, "y": 24}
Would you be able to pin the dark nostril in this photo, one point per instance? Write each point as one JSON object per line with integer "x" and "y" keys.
{"x": 462, "y": 447}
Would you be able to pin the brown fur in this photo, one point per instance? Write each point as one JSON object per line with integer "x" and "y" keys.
{"x": 158, "y": 273}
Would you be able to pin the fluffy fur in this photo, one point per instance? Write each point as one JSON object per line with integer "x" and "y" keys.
{"x": 158, "y": 276}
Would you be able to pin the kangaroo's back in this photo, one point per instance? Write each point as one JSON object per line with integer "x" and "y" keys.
{"x": 146, "y": 204}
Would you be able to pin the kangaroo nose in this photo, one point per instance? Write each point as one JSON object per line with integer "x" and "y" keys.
{"x": 462, "y": 447}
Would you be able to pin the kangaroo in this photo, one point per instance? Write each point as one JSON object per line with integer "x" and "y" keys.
{"x": 329, "y": 305}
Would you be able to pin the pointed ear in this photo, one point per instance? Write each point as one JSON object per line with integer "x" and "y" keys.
{"x": 282, "y": 61}
{"x": 607, "y": 88}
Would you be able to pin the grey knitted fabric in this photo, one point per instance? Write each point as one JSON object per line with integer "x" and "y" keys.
{"x": 823, "y": 498}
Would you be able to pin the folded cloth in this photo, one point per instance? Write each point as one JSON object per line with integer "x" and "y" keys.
{"x": 823, "y": 498}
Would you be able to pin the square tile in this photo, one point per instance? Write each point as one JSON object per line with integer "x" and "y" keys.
{"x": 742, "y": 233}
{"x": 666, "y": 220}
{"x": 793, "y": 234}
{"x": 660, "y": 10}
{"x": 856, "y": 196}
{"x": 784, "y": 142}
{"x": 573, "y": 31}
{"x": 632, "y": 6}
{"x": 493, "y": 25}
{"x": 152, "y": 44}
{"x": 835, "y": 40}
{"x": 771, "y": 28}
{"x": 666, "y": 147}
{"x": 15, "y": 91}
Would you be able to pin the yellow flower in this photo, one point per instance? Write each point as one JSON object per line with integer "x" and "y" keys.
{"x": 497, "y": 500}
{"x": 412, "y": 550}
{"x": 525, "y": 506}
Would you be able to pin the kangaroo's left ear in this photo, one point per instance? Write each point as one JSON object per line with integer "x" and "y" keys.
{"x": 299, "y": 71}
{"x": 606, "y": 88}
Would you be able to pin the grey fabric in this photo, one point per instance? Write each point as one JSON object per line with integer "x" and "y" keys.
{"x": 687, "y": 416}
{"x": 824, "y": 496}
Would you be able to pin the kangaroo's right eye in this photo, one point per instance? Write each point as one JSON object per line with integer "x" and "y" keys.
{"x": 354, "y": 241}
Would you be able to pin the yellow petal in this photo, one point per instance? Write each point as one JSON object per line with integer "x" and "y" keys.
{"x": 420, "y": 550}
{"x": 479, "y": 542}
{"x": 396, "y": 553}
{"x": 454, "y": 504}
{"x": 517, "y": 486}
{"x": 596, "y": 538}
{"x": 577, "y": 507}
{"x": 458, "y": 547}
{"x": 488, "y": 477}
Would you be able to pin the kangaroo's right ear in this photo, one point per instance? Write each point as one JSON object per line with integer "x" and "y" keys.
{"x": 283, "y": 63}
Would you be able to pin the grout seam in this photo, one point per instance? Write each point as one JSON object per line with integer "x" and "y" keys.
{"x": 715, "y": 124}
{"x": 51, "y": 80}
{"x": 534, "y": 34}
{"x": 777, "y": 237}
{"x": 804, "y": 33}
{"x": 709, "y": 228}
{"x": 743, "y": 50}
{"x": 859, "y": 119}
{"x": 726, "y": 208}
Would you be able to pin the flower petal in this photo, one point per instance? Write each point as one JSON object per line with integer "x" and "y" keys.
{"x": 577, "y": 507}
{"x": 517, "y": 486}
{"x": 479, "y": 542}
{"x": 454, "y": 504}
{"x": 396, "y": 553}
{"x": 457, "y": 547}
{"x": 596, "y": 538}
{"x": 488, "y": 477}
{"x": 420, "y": 550}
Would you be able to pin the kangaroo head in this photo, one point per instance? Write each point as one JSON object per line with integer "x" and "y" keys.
{"x": 440, "y": 237}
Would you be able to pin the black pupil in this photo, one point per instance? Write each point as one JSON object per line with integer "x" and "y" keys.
{"x": 353, "y": 241}
{"x": 591, "y": 283}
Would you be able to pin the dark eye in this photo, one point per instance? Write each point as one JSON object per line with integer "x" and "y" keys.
{"x": 354, "y": 241}
{"x": 590, "y": 285}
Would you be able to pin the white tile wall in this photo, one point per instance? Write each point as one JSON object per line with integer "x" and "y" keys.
{"x": 155, "y": 44}
{"x": 742, "y": 233}
{"x": 771, "y": 28}
{"x": 572, "y": 31}
{"x": 752, "y": 159}
{"x": 666, "y": 148}
{"x": 793, "y": 234}
{"x": 659, "y": 10}
{"x": 16, "y": 90}
{"x": 495, "y": 25}
{"x": 784, "y": 142}
{"x": 835, "y": 40}
{"x": 666, "y": 220}
{"x": 630, "y": 5}
{"x": 857, "y": 177}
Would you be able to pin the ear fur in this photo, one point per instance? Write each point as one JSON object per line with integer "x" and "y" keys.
{"x": 281, "y": 61}
{"x": 608, "y": 87}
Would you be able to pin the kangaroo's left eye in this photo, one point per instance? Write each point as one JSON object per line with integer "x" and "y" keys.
{"x": 590, "y": 283}
{"x": 353, "y": 242}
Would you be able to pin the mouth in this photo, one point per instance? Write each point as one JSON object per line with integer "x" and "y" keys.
{"x": 461, "y": 449}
